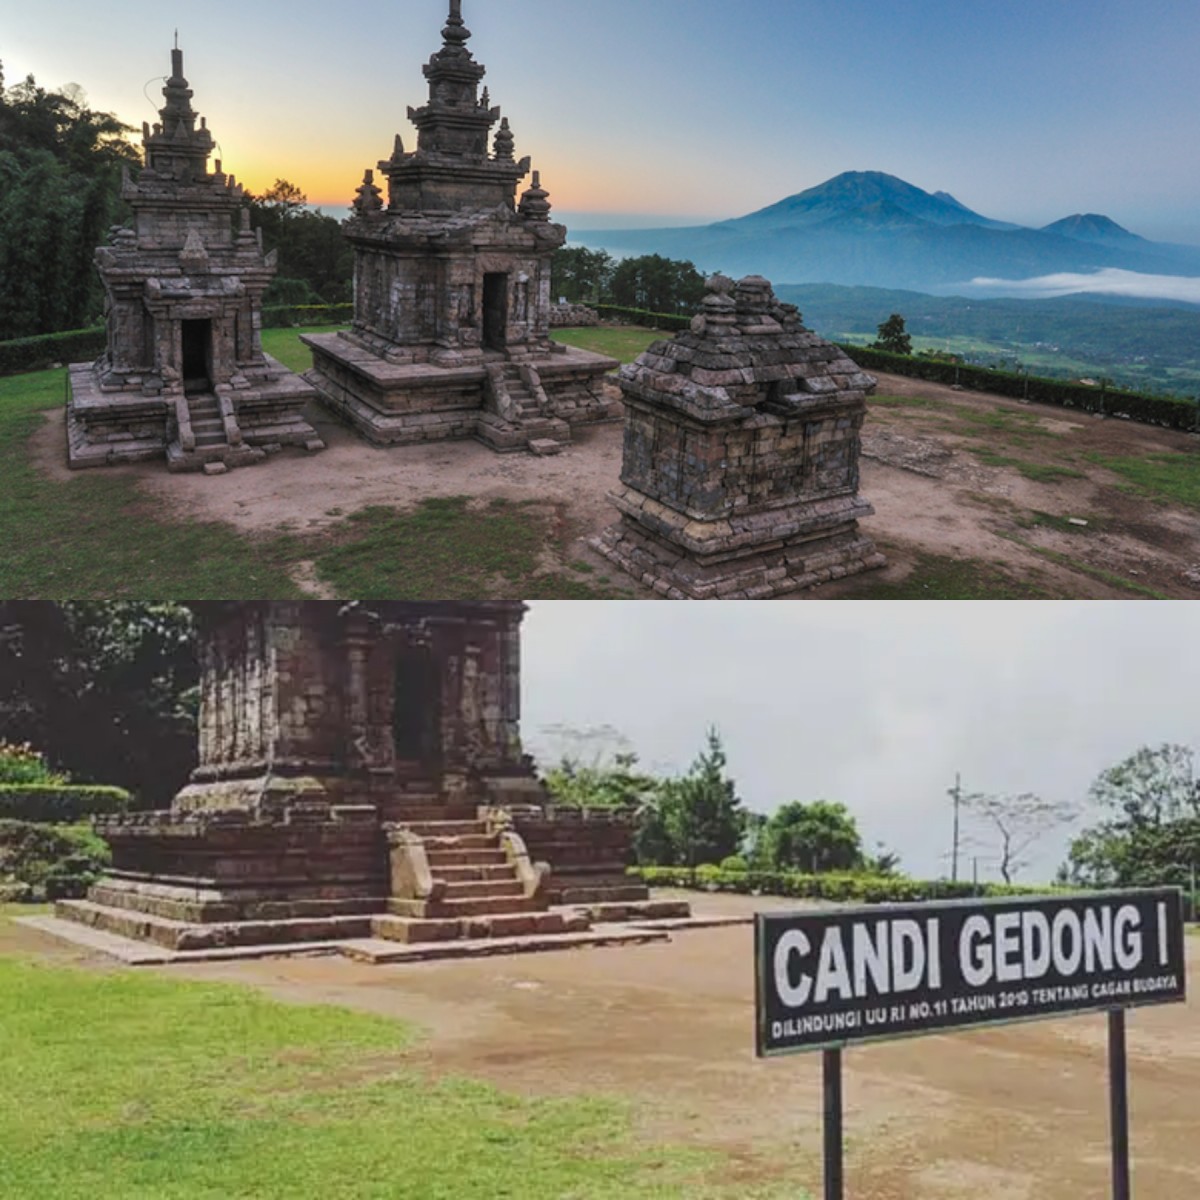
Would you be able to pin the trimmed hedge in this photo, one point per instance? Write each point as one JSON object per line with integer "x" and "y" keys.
{"x": 1167, "y": 411}
{"x": 671, "y": 322}
{"x": 38, "y": 353}
{"x": 834, "y": 886}
{"x": 86, "y": 345}
{"x": 286, "y": 316}
{"x": 59, "y": 804}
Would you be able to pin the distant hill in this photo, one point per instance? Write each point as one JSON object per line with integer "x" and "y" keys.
{"x": 872, "y": 229}
{"x": 1135, "y": 342}
{"x": 1091, "y": 227}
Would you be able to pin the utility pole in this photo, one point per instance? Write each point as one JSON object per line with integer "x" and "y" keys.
{"x": 957, "y": 794}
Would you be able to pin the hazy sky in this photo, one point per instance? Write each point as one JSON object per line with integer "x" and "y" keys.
{"x": 875, "y": 704}
{"x": 1027, "y": 110}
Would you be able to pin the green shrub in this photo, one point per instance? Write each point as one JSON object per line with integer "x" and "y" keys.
{"x": 45, "y": 862}
{"x": 735, "y": 862}
{"x": 283, "y": 316}
{"x": 37, "y": 353}
{"x": 23, "y": 764}
{"x": 86, "y": 345}
{"x": 834, "y": 886}
{"x": 58, "y": 803}
{"x": 637, "y": 316}
{"x": 1167, "y": 411}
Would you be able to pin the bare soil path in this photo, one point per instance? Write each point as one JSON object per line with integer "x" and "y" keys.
{"x": 1016, "y": 1113}
{"x": 952, "y": 475}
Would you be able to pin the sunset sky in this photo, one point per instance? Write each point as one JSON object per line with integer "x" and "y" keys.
{"x": 1027, "y": 110}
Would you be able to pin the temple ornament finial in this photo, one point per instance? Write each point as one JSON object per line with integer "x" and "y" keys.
{"x": 456, "y": 31}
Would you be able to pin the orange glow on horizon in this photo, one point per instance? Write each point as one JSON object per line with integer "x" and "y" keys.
{"x": 331, "y": 186}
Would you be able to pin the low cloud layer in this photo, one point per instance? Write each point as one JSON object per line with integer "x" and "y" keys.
{"x": 1109, "y": 282}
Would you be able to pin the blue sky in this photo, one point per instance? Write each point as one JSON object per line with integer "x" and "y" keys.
{"x": 692, "y": 108}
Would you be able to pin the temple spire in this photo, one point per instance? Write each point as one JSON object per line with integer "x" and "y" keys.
{"x": 456, "y": 31}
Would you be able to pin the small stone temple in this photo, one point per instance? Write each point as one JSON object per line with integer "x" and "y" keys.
{"x": 361, "y": 783}
{"x": 184, "y": 375}
{"x": 451, "y": 332}
{"x": 741, "y": 463}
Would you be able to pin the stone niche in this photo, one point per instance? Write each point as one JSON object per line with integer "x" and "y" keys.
{"x": 184, "y": 375}
{"x": 740, "y": 473}
{"x": 360, "y": 774}
{"x": 451, "y": 331}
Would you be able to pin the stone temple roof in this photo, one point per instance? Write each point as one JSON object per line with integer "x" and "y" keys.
{"x": 745, "y": 349}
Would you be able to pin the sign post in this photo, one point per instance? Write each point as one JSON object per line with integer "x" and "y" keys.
{"x": 825, "y": 979}
{"x": 1118, "y": 1104}
{"x": 833, "y": 1124}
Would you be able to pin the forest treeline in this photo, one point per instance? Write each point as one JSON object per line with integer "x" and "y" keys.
{"x": 61, "y": 165}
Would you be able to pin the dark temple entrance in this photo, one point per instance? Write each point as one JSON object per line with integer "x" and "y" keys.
{"x": 416, "y": 715}
{"x": 495, "y": 311}
{"x": 197, "y": 356}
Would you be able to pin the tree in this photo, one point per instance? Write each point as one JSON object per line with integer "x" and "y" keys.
{"x": 1151, "y": 834}
{"x": 581, "y": 276}
{"x": 316, "y": 263}
{"x": 60, "y": 179}
{"x": 1017, "y": 822}
{"x": 108, "y": 690}
{"x": 697, "y": 818}
{"x": 1151, "y": 786}
{"x": 821, "y": 836}
{"x": 657, "y": 284}
{"x": 892, "y": 336}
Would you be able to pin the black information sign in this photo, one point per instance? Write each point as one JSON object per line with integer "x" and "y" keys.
{"x": 852, "y": 975}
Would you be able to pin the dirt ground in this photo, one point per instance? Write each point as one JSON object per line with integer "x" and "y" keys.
{"x": 1016, "y": 1113}
{"x": 932, "y": 493}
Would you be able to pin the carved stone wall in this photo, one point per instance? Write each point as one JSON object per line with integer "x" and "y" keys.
{"x": 452, "y": 276}
{"x": 740, "y": 471}
{"x": 184, "y": 374}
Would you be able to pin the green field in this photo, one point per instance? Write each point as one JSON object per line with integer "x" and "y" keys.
{"x": 123, "y": 1086}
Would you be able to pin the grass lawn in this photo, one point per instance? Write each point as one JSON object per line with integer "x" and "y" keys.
{"x": 93, "y": 537}
{"x": 943, "y": 578}
{"x": 448, "y": 549}
{"x": 120, "y": 1086}
{"x": 624, "y": 342}
{"x": 1171, "y": 477}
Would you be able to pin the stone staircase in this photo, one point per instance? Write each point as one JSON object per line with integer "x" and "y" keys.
{"x": 522, "y": 418}
{"x": 207, "y": 437}
{"x": 478, "y": 890}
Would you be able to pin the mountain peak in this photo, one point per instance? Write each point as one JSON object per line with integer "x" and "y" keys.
{"x": 868, "y": 196}
{"x": 1092, "y": 227}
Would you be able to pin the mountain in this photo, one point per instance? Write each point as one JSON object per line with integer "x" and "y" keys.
{"x": 882, "y": 199}
{"x": 870, "y": 229}
{"x": 1091, "y": 227}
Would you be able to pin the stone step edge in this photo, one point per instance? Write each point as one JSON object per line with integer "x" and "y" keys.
{"x": 134, "y": 953}
{"x": 379, "y": 952}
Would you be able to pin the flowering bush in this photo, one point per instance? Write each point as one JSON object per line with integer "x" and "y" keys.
{"x": 23, "y": 764}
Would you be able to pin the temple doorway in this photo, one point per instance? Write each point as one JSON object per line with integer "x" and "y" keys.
{"x": 416, "y": 713}
{"x": 197, "y": 356}
{"x": 495, "y": 311}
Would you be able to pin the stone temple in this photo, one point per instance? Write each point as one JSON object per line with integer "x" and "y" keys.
{"x": 184, "y": 375}
{"x": 741, "y": 463}
{"x": 451, "y": 332}
{"x": 361, "y": 783}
